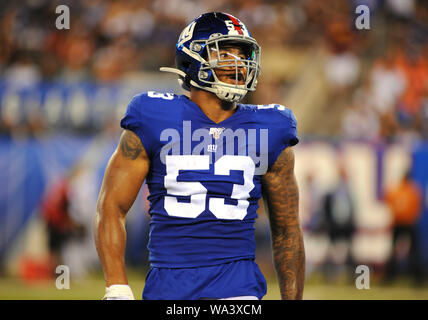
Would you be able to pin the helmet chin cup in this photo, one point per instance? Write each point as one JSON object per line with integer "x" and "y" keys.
{"x": 229, "y": 94}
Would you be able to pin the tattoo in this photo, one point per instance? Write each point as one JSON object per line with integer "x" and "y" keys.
{"x": 282, "y": 198}
{"x": 131, "y": 145}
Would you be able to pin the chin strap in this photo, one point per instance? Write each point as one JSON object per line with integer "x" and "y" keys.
{"x": 178, "y": 72}
{"x": 183, "y": 75}
{"x": 173, "y": 70}
{"x": 233, "y": 95}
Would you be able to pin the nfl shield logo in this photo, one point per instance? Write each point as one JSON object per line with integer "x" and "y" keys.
{"x": 216, "y": 132}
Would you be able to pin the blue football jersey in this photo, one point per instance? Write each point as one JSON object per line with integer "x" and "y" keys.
{"x": 205, "y": 177}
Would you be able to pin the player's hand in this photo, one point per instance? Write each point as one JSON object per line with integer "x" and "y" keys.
{"x": 119, "y": 292}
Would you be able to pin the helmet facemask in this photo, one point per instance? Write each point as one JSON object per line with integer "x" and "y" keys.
{"x": 242, "y": 69}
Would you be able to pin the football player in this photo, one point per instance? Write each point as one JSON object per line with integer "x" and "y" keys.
{"x": 207, "y": 160}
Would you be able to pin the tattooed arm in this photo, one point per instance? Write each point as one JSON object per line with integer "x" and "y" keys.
{"x": 281, "y": 195}
{"x": 123, "y": 178}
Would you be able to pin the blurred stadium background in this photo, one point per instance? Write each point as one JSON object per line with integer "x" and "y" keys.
{"x": 360, "y": 98}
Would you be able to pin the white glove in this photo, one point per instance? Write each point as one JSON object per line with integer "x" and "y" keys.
{"x": 119, "y": 292}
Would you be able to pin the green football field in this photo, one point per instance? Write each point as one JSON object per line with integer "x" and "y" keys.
{"x": 315, "y": 289}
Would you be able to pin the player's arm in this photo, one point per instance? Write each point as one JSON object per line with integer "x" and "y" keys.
{"x": 281, "y": 195}
{"x": 123, "y": 178}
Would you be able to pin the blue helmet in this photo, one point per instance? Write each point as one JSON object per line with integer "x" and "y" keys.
{"x": 198, "y": 55}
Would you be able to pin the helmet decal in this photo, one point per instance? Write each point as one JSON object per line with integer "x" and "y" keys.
{"x": 186, "y": 34}
{"x": 234, "y": 25}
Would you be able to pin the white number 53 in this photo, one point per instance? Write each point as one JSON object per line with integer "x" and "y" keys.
{"x": 198, "y": 192}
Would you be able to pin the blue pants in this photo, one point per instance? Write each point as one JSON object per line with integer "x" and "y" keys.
{"x": 237, "y": 278}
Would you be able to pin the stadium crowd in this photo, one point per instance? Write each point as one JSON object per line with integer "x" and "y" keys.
{"x": 363, "y": 84}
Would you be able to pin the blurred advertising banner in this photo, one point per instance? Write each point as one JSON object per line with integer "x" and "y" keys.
{"x": 369, "y": 170}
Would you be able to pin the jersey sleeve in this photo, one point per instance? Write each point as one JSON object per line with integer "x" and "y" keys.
{"x": 137, "y": 119}
{"x": 285, "y": 133}
{"x": 290, "y": 128}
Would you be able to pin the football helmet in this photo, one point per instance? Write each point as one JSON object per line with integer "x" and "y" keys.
{"x": 198, "y": 55}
